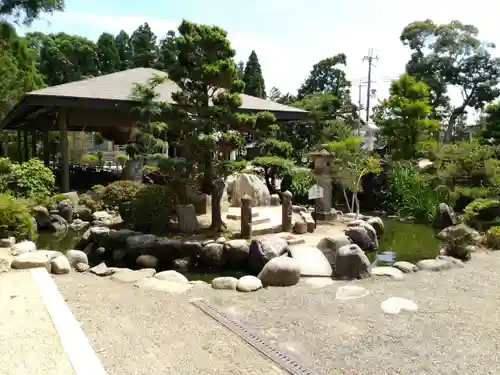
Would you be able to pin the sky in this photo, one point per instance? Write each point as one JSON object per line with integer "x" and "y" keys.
{"x": 289, "y": 36}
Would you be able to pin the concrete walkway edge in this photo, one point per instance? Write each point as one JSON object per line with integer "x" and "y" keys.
{"x": 77, "y": 346}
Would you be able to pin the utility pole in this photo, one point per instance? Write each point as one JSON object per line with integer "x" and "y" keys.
{"x": 370, "y": 59}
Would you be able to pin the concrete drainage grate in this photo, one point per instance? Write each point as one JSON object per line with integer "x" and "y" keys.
{"x": 284, "y": 360}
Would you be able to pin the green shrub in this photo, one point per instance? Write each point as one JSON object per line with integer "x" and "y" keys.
{"x": 152, "y": 208}
{"x": 31, "y": 179}
{"x": 298, "y": 182}
{"x": 493, "y": 237}
{"x": 120, "y": 194}
{"x": 87, "y": 201}
{"x": 407, "y": 194}
{"x": 482, "y": 213}
{"x": 121, "y": 159}
{"x": 272, "y": 168}
{"x": 15, "y": 219}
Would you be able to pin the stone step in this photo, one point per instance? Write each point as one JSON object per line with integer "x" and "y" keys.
{"x": 238, "y": 216}
{"x": 266, "y": 228}
{"x": 261, "y": 220}
{"x": 293, "y": 240}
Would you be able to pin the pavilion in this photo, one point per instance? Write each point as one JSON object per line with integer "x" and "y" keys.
{"x": 101, "y": 104}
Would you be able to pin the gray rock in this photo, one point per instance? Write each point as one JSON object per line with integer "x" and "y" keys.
{"x": 79, "y": 225}
{"x": 22, "y": 247}
{"x": 172, "y": 276}
{"x": 221, "y": 240}
{"x": 433, "y": 265}
{"x": 455, "y": 263}
{"x": 73, "y": 197}
{"x": 372, "y": 233}
{"x": 212, "y": 255}
{"x": 359, "y": 235}
{"x": 118, "y": 255}
{"x": 101, "y": 270}
{"x": 227, "y": 283}
{"x": 60, "y": 265}
{"x": 5, "y": 263}
{"x": 300, "y": 227}
{"x": 82, "y": 267}
{"x": 405, "y": 267}
{"x": 377, "y": 224}
{"x": 146, "y": 261}
{"x": 182, "y": 265}
{"x": 140, "y": 244}
{"x": 129, "y": 276}
{"x": 198, "y": 282}
{"x": 65, "y": 210}
{"x": 57, "y": 224}
{"x": 351, "y": 263}
{"x": 83, "y": 213}
{"x": 42, "y": 217}
{"x": 275, "y": 200}
{"x": 309, "y": 220}
{"x": 151, "y": 283}
{"x": 248, "y": 283}
{"x": 452, "y": 232}
{"x": 51, "y": 254}
{"x": 31, "y": 260}
{"x": 101, "y": 216}
{"x": 348, "y": 292}
{"x": 280, "y": 271}
{"x": 390, "y": 272}
{"x": 7, "y": 242}
{"x": 76, "y": 256}
{"x": 236, "y": 253}
{"x": 311, "y": 259}
{"x": 329, "y": 246}
{"x": 264, "y": 249}
{"x": 445, "y": 216}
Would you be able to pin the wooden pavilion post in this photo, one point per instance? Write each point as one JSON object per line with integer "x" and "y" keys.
{"x": 63, "y": 142}
{"x": 33, "y": 142}
{"x": 26, "y": 148}
{"x": 19, "y": 146}
{"x": 46, "y": 148}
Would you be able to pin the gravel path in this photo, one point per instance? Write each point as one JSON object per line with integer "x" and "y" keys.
{"x": 455, "y": 331}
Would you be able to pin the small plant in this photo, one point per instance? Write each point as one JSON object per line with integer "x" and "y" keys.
{"x": 120, "y": 194}
{"x": 493, "y": 237}
{"x": 100, "y": 157}
{"x": 298, "y": 182}
{"x": 87, "y": 201}
{"x": 31, "y": 179}
{"x": 152, "y": 208}
{"x": 90, "y": 159}
{"x": 15, "y": 219}
{"x": 121, "y": 159}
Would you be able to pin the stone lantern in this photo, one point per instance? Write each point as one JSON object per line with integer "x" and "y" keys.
{"x": 321, "y": 171}
{"x": 370, "y": 131}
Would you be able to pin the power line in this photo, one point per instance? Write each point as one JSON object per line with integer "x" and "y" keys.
{"x": 370, "y": 58}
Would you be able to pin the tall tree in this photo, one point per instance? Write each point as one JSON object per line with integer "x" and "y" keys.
{"x": 326, "y": 76}
{"x": 253, "y": 78}
{"x": 451, "y": 55}
{"x": 67, "y": 58}
{"x": 241, "y": 69}
{"x": 26, "y": 11}
{"x": 122, "y": 42}
{"x": 199, "y": 59}
{"x": 491, "y": 124}
{"x": 143, "y": 45}
{"x": 404, "y": 117}
{"x": 274, "y": 94}
{"x": 107, "y": 54}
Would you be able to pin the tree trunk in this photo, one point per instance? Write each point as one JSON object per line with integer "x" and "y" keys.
{"x": 217, "y": 192}
{"x": 346, "y": 199}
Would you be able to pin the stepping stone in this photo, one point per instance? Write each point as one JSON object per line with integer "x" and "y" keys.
{"x": 348, "y": 292}
{"x": 389, "y": 272}
{"x": 394, "y": 305}
{"x": 150, "y": 283}
{"x": 311, "y": 259}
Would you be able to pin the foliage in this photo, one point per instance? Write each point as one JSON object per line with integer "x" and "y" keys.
{"x": 90, "y": 159}
{"x": 152, "y": 208}
{"x": 143, "y": 47}
{"x": 107, "y": 54}
{"x": 15, "y": 219}
{"x": 26, "y": 11}
{"x": 121, "y": 159}
{"x": 253, "y": 78}
{"x": 209, "y": 132}
{"x": 298, "y": 182}
{"x": 409, "y": 196}
{"x": 273, "y": 167}
{"x": 31, "y": 179}
{"x": 122, "y": 41}
{"x": 100, "y": 157}
{"x": 349, "y": 163}
{"x": 451, "y": 55}
{"x": 491, "y": 131}
{"x": 482, "y": 213}
{"x": 403, "y": 117}
{"x": 120, "y": 194}
{"x": 493, "y": 237}
{"x": 88, "y": 201}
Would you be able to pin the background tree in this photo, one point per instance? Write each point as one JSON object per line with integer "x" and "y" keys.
{"x": 26, "y": 11}
{"x": 274, "y": 94}
{"x": 452, "y": 55}
{"x": 143, "y": 46}
{"x": 241, "y": 69}
{"x": 209, "y": 132}
{"x": 122, "y": 42}
{"x": 491, "y": 122}
{"x": 253, "y": 78}
{"x": 107, "y": 54}
{"x": 403, "y": 117}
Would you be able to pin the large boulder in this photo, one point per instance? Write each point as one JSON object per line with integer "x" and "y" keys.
{"x": 225, "y": 282}
{"x": 351, "y": 263}
{"x": 359, "y": 236}
{"x": 280, "y": 271}
{"x": 83, "y": 213}
{"x": 140, "y": 244}
{"x": 212, "y": 255}
{"x": 60, "y": 265}
{"x": 42, "y": 217}
{"x": 248, "y": 284}
{"x": 31, "y": 260}
{"x": 57, "y": 224}
{"x": 264, "y": 249}
{"x": 23, "y": 247}
{"x": 377, "y": 224}
{"x": 76, "y": 256}
{"x": 372, "y": 233}
{"x": 172, "y": 276}
{"x": 311, "y": 259}
{"x": 445, "y": 216}
{"x": 329, "y": 246}
{"x": 65, "y": 210}
{"x": 236, "y": 253}
{"x": 167, "y": 249}
{"x": 253, "y": 186}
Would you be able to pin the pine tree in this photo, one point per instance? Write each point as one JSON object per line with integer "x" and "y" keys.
{"x": 107, "y": 53}
{"x": 143, "y": 45}
{"x": 253, "y": 78}
{"x": 122, "y": 42}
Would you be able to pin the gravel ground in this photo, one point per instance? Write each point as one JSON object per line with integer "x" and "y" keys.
{"x": 455, "y": 331}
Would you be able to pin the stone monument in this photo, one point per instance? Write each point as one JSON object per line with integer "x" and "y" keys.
{"x": 323, "y": 205}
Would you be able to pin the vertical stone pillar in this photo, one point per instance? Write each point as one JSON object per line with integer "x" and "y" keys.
{"x": 246, "y": 217}
{"x": 286, "y": 211}
{"x": 323, "y": 205}
{"x": 63, "y": 142}
{"x": 33, "y": 142}
{"x": 46, "y": 148}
